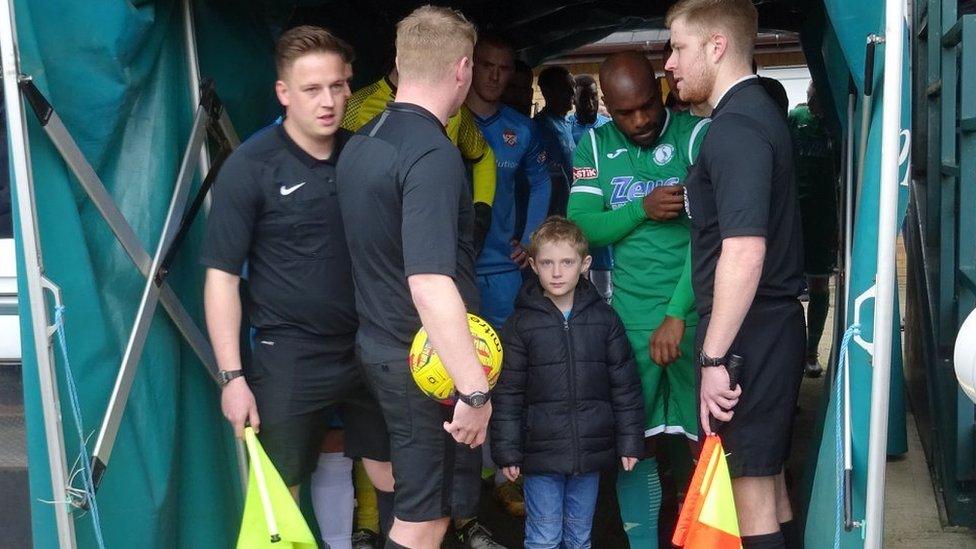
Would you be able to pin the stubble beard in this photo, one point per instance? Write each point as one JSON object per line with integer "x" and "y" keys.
{"x": 699, "y": 89}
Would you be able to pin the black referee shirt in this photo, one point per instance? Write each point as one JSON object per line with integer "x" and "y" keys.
{"x": 275, "y": 206}
{"x": 743, "y": 185}
{"x": 406, "y": 205}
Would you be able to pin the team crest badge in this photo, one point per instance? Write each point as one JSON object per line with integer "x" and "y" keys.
{"x": 663, "y": 154}
{"x": 510, "y": 137}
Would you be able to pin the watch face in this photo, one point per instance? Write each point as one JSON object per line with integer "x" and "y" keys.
{"x": 476, "y": 400}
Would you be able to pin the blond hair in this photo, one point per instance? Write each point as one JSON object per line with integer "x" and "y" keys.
{"x": 430, "y": 41}
{"x": 738, "y": 18}
{"x": 558, "y": 229}
{"x": 306, "y": 39}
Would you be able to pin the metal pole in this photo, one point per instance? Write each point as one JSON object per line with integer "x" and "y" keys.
{"x": 848, "y": 245}
{"x": 849, "y": 201}
{"x": 193, "y": 75}
{"x": 884, "y": 302}
{"x": 866, "y": 107}
{"x": 33, "y": 269}
{"x": 93, "y": 187}
{"x": 147, "y": 305}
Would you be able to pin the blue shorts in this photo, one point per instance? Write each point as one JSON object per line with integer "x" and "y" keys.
{"x": 498, "y": 292}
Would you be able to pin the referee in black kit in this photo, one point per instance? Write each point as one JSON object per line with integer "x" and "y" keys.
{"x": 747, "y": 259}
{"x": 406, "y": 206}
{"x": 275, "y": 207}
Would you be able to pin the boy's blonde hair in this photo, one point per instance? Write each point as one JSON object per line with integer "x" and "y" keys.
{"x": 738, "y": 18}
{"x": 306, "y": 39}
{"x": 430, "y": 41}
{"x": 558, "y": 229}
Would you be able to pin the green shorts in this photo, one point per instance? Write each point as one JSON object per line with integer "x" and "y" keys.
{"x": 670, "y": 402}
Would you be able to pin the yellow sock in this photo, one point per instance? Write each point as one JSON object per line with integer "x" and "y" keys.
{"x": 367, "y": 513}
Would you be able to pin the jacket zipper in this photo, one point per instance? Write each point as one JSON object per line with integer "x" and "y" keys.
{"x": 572, "y": 395}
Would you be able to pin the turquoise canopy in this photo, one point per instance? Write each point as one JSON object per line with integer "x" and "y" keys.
{"x": 116, "y": 72}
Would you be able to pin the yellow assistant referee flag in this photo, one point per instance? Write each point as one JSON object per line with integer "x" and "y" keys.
{"x": 271, "y": 516}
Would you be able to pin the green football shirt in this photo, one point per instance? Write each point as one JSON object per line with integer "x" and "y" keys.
{"x": 612, "y": 175}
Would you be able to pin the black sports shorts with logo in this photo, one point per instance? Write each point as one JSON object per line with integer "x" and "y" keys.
{"x": 299, "y": 382}
{"x": 434, "y": 476}
{"x": 772, "y": 343}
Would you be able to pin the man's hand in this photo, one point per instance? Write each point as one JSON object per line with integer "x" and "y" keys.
{"x": 469, "y": 425}
{"x": 664, "y": 203}
{"x": 519, "y": 255}
{"x": 237, "y": 403}
{"x": 665, "y": 341}
{"x": 512, "y": 472}
{"x": 628, "y": 463}
{"x": 716, "y": 399}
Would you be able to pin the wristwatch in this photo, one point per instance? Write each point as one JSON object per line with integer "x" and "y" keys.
{"x": 224, "y": 376}
{"x": 476, "y": 399}
{"x": 706, "y": 361}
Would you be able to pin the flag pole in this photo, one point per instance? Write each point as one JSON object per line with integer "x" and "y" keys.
{"x": 252, "y": 450}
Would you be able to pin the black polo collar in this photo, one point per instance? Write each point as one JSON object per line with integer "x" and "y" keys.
{"x": 341, "y": 136}
{"x": 412, "y": 108}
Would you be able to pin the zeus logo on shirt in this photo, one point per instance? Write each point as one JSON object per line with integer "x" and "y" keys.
{"x": 626, "y": 189}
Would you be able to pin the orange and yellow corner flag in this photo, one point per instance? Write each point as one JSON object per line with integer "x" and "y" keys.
{"x": 708, "y": 519}
{"x": 271, "y": 516}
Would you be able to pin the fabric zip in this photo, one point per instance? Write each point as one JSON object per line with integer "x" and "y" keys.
{"x": 572, "y": 395}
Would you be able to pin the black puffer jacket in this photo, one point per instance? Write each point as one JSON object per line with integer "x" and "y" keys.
{"x": 569, "y": 398}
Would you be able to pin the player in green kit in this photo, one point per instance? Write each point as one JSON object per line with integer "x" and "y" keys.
{"x": 627, "y": 193}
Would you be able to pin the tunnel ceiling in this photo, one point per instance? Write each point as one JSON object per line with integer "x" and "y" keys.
{"x": 541, "y": 29}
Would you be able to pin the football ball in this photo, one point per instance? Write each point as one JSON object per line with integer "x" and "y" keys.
{"x": 429, "y": 372}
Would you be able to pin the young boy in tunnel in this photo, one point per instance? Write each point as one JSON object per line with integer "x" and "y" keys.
{"x": 568, "y": 403}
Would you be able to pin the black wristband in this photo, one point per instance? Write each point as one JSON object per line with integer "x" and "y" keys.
{"x": 706, "y": 361}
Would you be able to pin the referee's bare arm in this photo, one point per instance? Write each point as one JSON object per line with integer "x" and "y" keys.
{"x": 443, "y": 314}
{"x": 737, "y": 276}
{"x": 222, "y": 306}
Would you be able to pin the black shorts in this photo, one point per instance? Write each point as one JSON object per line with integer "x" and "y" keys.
{"x": 772, "y": 343}
{"x": 434, "y": 476}
{"x": 299, "y": 383}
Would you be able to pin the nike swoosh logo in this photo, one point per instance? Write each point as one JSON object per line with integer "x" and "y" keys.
{"x": 616, "y": 153}
{"x": 285, "y": 191}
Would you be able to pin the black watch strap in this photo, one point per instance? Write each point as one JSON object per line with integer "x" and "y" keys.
{"x": 225, "y": 376}
{"x": 476, "y": 399}
{"x": 708, "y": 362}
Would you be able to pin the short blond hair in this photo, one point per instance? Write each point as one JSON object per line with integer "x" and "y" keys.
{"x": 737, "y": 17}
{"x": 306, "y": 39}
{"x": 431, "y": 40}
{"x": 558, "y": 229}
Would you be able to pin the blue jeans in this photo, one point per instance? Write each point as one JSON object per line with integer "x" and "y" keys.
{"x": 559, "y": 510}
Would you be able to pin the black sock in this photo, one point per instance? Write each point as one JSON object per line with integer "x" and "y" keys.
{"x": 390, "y": 544}
{"x": 792, "y": 534}
{"x": 384, "y": 505}
{"x": 817, "y": 318}
{"x": 765, "y": 541}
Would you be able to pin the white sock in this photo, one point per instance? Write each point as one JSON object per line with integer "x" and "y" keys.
{"x": 332, "y": 499}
